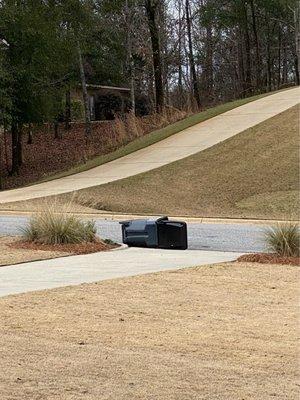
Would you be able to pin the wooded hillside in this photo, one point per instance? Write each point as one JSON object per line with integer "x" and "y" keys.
{"x": 182, "y": 54}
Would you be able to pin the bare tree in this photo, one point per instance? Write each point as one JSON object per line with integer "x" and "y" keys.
{"x": 296, "y": 14}
{"x": 130, "y": 64}
{"x": 68, "y": 110}
{"x": 152, "y": 9}
{"x": 87, "y": 111}
{"x": 256, "y": 45}
{"x": 195, "y": 84}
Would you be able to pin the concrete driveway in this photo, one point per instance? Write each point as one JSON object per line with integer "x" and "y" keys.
{"x": 178, "y": 146}
{"x": 95, "y": 267}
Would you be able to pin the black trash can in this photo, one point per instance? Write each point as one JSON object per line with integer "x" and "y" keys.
{"x": 159, "y": 233}
{"x": 140, "y": 233}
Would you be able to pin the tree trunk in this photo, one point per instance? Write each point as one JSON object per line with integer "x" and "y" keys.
{"x": 130, "y": 64}
{"x": 152, "y": 10}
{"x": 284, "y": 64}
{"x": 68, "y": 111}
{"x": 297, "y": 41}
{"x": 180, "y": 74}
{"x": 196, "y": 92}
{"x": 151, "y": 89}
{"x": 209, "y": 63}
{"x": 5, "y": 147}
{"x": 1, "y": 158}
{"x": 297, "y": 74}
{"x": 132, "y": 90}
{"x": 269, "y": 78}
{"x": 57, "y": 134}
{"x": 30, "y": 136}
{"x": 15, "y": 151}
{"x": 279, "y": 57}
{"x": 248, "y": 82}
{"x": 20, "y": 146}
{"x": 257, "y": 50}
{"x": 87, "y": 111}
{"x": 241, "y": 69}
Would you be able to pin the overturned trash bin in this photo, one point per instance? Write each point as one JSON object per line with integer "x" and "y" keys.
{"x": 159, "y": 233}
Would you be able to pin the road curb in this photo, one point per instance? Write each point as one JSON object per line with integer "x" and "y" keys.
{"x": 121, "y": 246}
{"x": 198, "y": 220}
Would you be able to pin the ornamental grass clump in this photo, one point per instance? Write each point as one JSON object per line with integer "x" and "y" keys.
{"x": 283, "y": 239}
{"x": 48, "y": 227}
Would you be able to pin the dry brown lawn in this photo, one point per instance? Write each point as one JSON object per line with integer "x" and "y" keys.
{"x": 226, "y": 332}
{"x": 254, "y": 174}
{"x": 10, "y": 255}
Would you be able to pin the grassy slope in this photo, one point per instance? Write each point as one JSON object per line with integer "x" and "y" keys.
{"x": 156, "y": 136}
{"x": 254, "y": 174}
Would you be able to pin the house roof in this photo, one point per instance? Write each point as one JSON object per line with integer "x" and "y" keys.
{"x": 119, "y": 89}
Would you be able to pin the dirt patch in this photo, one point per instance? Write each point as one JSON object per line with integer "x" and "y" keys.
{"x": 80, "y": 248}
{"x": 265, "y": 258}
{"x": 213, "y": 332}
{"x": 13, "y": 250}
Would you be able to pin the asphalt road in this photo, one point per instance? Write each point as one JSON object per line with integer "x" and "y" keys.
{"x": 242, "y": 238}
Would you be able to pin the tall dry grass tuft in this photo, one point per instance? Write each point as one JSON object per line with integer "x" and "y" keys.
{"x": 120, "y": 129}
{"x": 155, "y": 121}
{"x": 174, "y": 114}
{"x": 50, "y": 226}
{"x": 284, "y": 239}
{"x": 133, "y": 126}
{"x": 125, "y": 128}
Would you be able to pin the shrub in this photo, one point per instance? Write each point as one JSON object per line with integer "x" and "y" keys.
{"x": 48, "y": 227}
{"x": 283, "y": 239}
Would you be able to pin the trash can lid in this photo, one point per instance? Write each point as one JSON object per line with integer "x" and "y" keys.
{"x": 144, "y": 221}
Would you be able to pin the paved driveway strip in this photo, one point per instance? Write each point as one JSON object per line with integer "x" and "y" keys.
{"x": 95, "y": 267}
{"x": 178, "y": 146}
